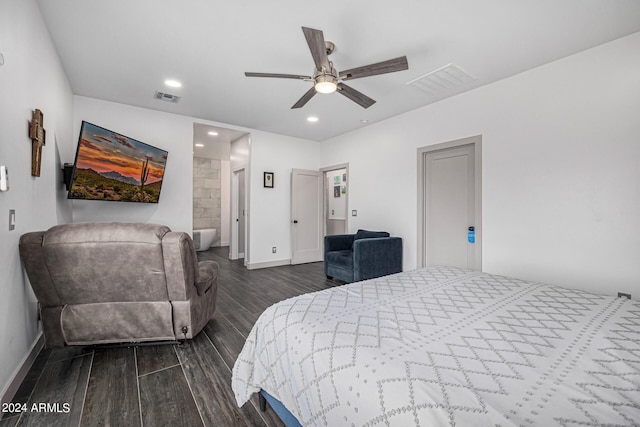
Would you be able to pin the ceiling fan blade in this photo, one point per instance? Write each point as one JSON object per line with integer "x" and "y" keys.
{"x": 356, "y": 96}
{"x": 315, "y": 40}
{"x": 305, "y": 98}
{"x": 389, "y": 66}
{"x": 280, "y": 76}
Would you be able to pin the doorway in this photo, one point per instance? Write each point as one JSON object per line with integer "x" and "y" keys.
{"x": 212, "y": 179}
{"x": 336, "y": 199}
{"x": 450, "y": 204}
{"x": 238, "y": 215}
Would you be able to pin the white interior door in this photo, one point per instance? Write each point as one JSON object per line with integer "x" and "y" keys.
{"x": 242, "y": 209}
{"x": 451, "y": 215}
{"x": 306, "y": 216}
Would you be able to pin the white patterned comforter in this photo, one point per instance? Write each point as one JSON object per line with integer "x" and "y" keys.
{"x": 443, "y": 346}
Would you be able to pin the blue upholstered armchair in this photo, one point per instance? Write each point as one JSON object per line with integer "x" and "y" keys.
{"x": 361, "y": 256}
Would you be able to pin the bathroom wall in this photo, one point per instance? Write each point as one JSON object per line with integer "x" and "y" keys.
{"x": 207, "y": 195}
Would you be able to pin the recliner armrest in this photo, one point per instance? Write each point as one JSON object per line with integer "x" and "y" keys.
{"x": 32, "y": 257}
{"x": 338, "y": 242}
{"x": 207, "y": 275}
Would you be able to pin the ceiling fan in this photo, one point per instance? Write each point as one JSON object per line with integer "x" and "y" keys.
{"x": 325, "y": 77}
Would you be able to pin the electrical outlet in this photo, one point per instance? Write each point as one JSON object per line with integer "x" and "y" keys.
{"x": 623, "y": 295}
{"x": 273, "y": 250}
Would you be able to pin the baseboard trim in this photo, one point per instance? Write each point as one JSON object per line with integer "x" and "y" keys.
{"x": 267, "y": 264}
{"x": 22, "y": 370}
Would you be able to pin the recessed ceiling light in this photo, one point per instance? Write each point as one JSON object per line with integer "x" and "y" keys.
{"x": 312, "y": 119}
{"x": 173, "y": 83}
{"x": 199, "y": 145}
{"x": 213, "y": 133}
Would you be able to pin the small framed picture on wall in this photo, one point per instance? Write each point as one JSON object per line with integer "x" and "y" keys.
{"x": 268, "y": 179}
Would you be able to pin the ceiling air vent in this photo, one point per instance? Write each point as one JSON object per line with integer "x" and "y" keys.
{"x": 162, "y": 96}
{"x": 444, "y": 79}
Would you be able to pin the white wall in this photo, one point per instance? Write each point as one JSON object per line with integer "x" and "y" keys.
{"x": 30, "y": 78}
{"x": 169, "y": 132}
{"x": 270, "y": 208}
{"x": 225, "y": 210}
{"x": 238, "y": 160}
{"x": 561, "y": 169}
{"x": 239, "y": 153}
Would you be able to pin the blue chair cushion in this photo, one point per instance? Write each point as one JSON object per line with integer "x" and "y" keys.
{"x": 366, "y": 234}
{"x": 340, "y": 259}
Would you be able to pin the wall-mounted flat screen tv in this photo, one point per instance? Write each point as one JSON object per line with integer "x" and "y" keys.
{"x": 111, "y": 166}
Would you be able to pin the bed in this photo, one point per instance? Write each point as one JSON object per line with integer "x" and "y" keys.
{"x": 445, "y": 346}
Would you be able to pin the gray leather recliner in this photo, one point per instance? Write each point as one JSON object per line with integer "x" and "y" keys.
{"x": 110, "y": 282}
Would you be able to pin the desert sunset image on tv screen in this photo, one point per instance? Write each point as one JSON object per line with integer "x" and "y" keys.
{"x": 111, "y": 166}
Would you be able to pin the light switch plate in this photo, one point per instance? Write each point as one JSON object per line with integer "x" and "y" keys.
{"x": 4, "y": 178}
{"x": 354, "y": 212}
{"x": 12, "y": 219}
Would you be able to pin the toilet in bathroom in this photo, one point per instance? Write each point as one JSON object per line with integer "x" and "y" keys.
{"x": 203, "y": 239}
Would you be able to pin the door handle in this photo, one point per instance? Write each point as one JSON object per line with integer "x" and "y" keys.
{"x": 295, "y": 221}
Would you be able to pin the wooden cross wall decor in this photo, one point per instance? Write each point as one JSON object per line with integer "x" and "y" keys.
{"x": 38, "y": 139}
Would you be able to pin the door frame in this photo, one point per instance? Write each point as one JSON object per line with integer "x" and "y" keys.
{"x": 476, "y": 142}
{"x": 324, "y": 171}
{"x": 234, "y": 244}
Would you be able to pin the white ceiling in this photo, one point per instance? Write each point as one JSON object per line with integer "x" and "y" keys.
{"x": 123, "y": 50}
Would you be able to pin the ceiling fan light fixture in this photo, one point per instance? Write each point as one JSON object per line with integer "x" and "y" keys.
{"x": 326, "y": 84}
{"x": 327, "y": 80}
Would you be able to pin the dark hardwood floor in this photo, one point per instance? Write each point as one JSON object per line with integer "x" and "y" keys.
{"x": 181, "y": 385}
